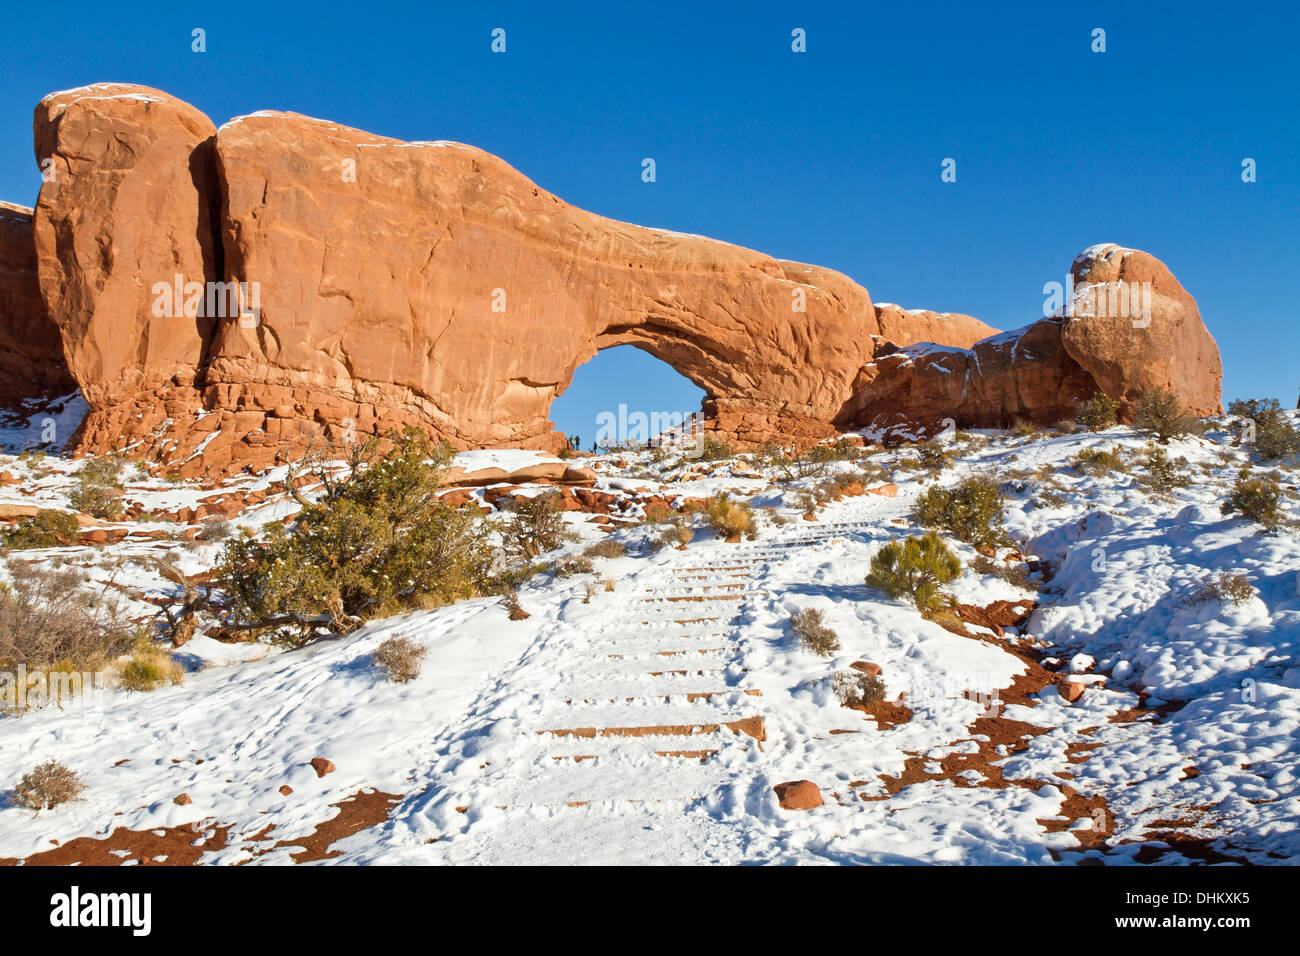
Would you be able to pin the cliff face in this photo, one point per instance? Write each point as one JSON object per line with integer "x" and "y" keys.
{"x": 220, "y": 293}
{"x": 31, "y": 350}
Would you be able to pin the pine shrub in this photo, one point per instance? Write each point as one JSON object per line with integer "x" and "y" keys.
{"x": 379, "y": 542}
{"x": 1160, "y": 415}
{"x": 1256, "y": 499}
{"x": 915, "y": 569}
{"x": 971, "y": 512}
{"x": 1274, "y": 436}
{"x": 535, "y": 525}
{"x": 1098, "y": 462}
{"x": 1099, "y": 412}
{"x": 45, "y": 529}
{"x": 1164, "y": 474}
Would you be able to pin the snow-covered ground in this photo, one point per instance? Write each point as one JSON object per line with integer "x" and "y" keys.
{"x": 650, "y": 722}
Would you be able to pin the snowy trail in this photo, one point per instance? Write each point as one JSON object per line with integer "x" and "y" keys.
{"x": 649, "y": 724}
{"x": 617, "y": 716}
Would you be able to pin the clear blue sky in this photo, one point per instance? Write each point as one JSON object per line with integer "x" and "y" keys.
{"x": 831, "y": 156}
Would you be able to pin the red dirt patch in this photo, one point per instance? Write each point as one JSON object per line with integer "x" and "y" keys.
{"x": 181, "y": 846}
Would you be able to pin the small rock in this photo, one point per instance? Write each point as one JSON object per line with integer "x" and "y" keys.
{"x": 1070, "y": 691}
{"x": 183, "y": 800}
{"x": 866, "y": 667}
{"x": 322, "y": 766}
{"x": 286, "y": 790}
{"x": 798, "y": 795}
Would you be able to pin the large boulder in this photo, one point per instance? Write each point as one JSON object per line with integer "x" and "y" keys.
{"x": 1043, "y": 372}
{"x": 31, "y": 351}
{"x": 1157, "y": 342}
{"x": 126, "y": 208}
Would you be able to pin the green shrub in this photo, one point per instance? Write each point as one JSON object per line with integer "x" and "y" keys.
{"x": 715, "y": 449}
{"x": 971, "y": 512}
{"x": 842, "y": 449}
{"x": 1160, "y": 415}
{"x": 400, "y": 658}
{"x": 933, "y": 456}
{"x": 1164, "y": 474}
{"x": 727, "y": 517}
{"x": 1274, "y": 437}
{"x": 813, "y": 634}
{"x": 1256, "y": 499}
{"x": 377, "y": 542}
{"x": 915, "y": 569}
{"x": 47, "y": 786}
{"x": 99, "y": 488}
{"x": 45, "y": 529}
{"x": 1099, "y": 412}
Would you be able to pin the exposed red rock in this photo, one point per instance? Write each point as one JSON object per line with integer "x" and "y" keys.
{"x": 322, "y": 766}
{"x": 388, "y": 283}
{"x": 1041, "y": 373}
{"x": 1021, "y": 374}
{"x": 31, "y": 350}
{"x": 1071, "y": 691}
{"x": 798, "y": 795}
{"x": 126, "y": 207}
{"x": 1161, "y": 344}
{"x": 909, "y": 326}
{"x": 443, "y": 288}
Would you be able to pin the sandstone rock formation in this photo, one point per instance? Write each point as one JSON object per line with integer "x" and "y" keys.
{"x": 350, "y": 283}
{"x": 31, "y": 351}
{"x": 438, "y": 285}
{"x": 909, "y": 326}
{"x": 125, "y": 209}
{"x": 1126, "y": 354}
{"x": 1041, "y": 373}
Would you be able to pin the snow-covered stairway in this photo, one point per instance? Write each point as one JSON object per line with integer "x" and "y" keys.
{"x": 645, "y": 689}
{"x": 627, "y": 707}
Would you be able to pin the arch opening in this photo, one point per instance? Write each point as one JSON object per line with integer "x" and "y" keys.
{"x": 624, "y": 395}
